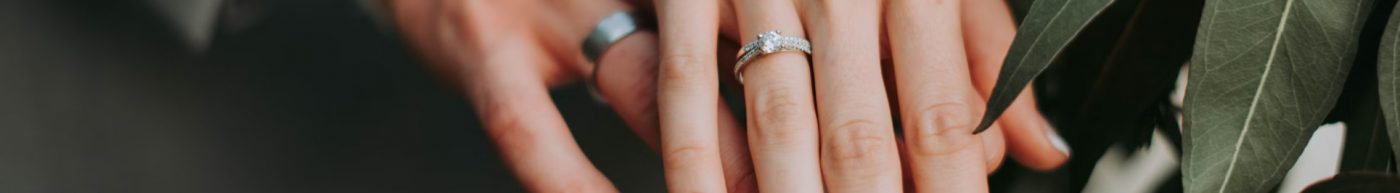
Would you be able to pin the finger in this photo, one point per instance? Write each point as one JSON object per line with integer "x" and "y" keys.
{"x": 857, "y": 140}
{"x": 526, "y": 128}
{"x": 993, "y": 147}
{"x": 626, "y": 78}
{"x": 629, "y": 82}
{"x": 728, "y": 23}
{"x": 989, "y": 30}
{"x": 739, "y": 173}
{"x": 936, "y": 96}
{"x": 993, "y": 150}
{"x": 686, "y": 92}
{"x": 778, "y": 90}
{"x": 540, "y": 150}
{"x": 734, "y": 147}
{"x": 570, "y": 24}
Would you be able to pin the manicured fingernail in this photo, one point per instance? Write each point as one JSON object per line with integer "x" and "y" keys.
{"x": 1057, "y": 141}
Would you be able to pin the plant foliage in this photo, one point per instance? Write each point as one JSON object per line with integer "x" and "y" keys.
{"x": 1263, "y": 75}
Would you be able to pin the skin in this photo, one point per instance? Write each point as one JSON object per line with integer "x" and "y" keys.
{"x": 988, "y": 42}
{"x": 942, "y": 149}
{"x": 783, "y": 132}
{"x": 827, "y": 130}
{"x": 505, "y": 55}
{"x": 837, "y": 119}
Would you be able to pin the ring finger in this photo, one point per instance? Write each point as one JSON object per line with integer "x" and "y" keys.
{"x": 783, "y": 122}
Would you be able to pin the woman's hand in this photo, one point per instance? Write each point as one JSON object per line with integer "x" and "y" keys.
{"x": 829, "y": 125}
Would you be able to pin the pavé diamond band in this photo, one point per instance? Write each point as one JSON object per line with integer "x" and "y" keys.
{"x": 768, "y": 43}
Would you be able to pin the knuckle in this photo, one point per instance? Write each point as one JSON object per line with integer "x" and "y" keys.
{"x": 777, "y": 105}
{"x": 684, "y": 157}
{"x": 831, "y": 6}
{"x": 915, "y": 8}
{"x": 940, "y": 129}
{"x": 778, "y": 116}
{"x": 682, "y": 67}
{"x": 923, "y": 2}
{"x": 510, "y": 133}
{"x": 858, "y": 143}
{"x": 502, "y": 127}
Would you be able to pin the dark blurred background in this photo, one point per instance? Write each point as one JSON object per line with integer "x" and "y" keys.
{"x": 302, "y": 96}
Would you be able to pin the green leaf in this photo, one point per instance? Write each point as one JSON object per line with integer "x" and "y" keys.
{"x": 1049, "y": 26}
{"x": 1388, "y": 69}
{"x": 1264, "y": 75}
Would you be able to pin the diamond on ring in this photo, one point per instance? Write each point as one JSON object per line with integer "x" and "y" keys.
{"x": 768, "y": 43}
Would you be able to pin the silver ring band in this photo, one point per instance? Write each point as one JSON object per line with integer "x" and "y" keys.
{"x": 611, "y": 29}
{"x": 768, "y": 43}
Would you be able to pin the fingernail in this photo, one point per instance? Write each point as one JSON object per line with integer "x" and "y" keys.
{"x": 1057, "y": 141}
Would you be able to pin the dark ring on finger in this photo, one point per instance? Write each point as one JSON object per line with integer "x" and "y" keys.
{"x": 612, "y": 28}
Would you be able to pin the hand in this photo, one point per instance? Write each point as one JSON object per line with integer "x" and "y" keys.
{"x": 832, "y": 119}
{"x": 506, "y": 54}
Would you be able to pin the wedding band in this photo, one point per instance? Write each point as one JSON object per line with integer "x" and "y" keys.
{"x": 612, "y": 28}
{"x": 768, "y": 43}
